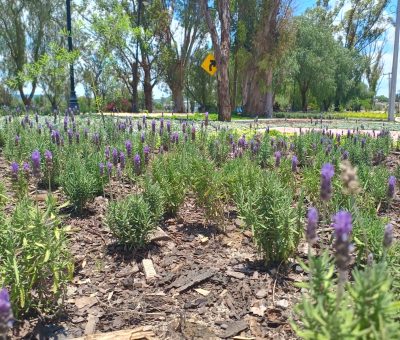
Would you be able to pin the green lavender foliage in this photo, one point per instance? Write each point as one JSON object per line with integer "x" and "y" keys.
{"x": 81, "y": 181}
{"x": 131, "y": 220}
{"x": 275, "y": 220}
{"x": 374, "y": 181}
{"x": 34, "y": 260}
{"x": 367, "y": 309}
{"x": 154, "y": 196}
{"x": 169, "y": 171}
{"x": 3, "y": 195}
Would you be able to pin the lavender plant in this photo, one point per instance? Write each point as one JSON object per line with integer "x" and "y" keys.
{"x": 131, "y": 220}
{"x": 34, "y": 260}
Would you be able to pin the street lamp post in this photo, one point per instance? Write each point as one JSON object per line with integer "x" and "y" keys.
{"x": 73, "y": 100}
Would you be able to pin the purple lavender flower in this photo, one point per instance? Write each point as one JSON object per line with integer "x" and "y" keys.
{"x": 183, "y": 127}
{"x": 36, "y": 118}
{"x": 278, "y": 156}
{"x": 107, "y": 152}
{"x": 48, "y": 156}
{"x": 136, "y": 163}
{"x": 153, "y": 126}
{"x": 27, "y": 169}
{"x": 101, "y": 169}
{"x": 312, "y": 222}
{"x": 142, "y": 137}
{"x": 388, "y": 236}
{"x": 122, "y": 160}
{"x": 128, "y": 147}
{"x": 36, "y": 163}
{"x": 70, "y": 135}
{"x": 345, "y": 155}
{"x": 391, "y": 187}
{"x": 96, "y": 139}
{"x": 86, "y": 132}
{"x": 242, "y": 142}
{"x": 294, "y": 163}
{"x": 193, "y": 133}
{"x": 144, "y": 120}
{"x": 77, "y": 137}
{"x": 65, "y": 123}
{"x": 342, "y": 223}
{"x": 327, "y": 173}
{"x": 17, "y": 140}
{"x": 168, "y": 126}
{"x": 109, "y": 169}
{"x": 162, "y": 123}
{"x": 14, "y": 170}
{"x": 146, "y": 153}
{"x": 39, "y": 129}
{"x": 363, "y": 142}
{"x": 6, "y": 316}
{"x": 115, "y": 156}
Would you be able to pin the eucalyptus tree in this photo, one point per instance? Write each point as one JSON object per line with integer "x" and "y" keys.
{"x": 271, "y": 41}
{"x": 221, "y": 42}
{"x": 180, "y": 31}
{"x": 22, "y": 38}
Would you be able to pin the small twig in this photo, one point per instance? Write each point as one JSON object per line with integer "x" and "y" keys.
{"x": 276, "y": 278}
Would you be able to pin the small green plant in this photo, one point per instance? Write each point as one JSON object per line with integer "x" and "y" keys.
{"x": 34, "y": 260}
{"x": 170, "y": 172}
{"x": 80, "y": 181}
{"x": 153, "y": 195}
{"x": 131, "y": 220}
{"x": 270, "y": 212}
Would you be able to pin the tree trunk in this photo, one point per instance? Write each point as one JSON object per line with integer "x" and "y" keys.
{"x": 303, "y": 93}
{"x": 269, "y": 97}
{"x": 254, "y": 100}
{"x": 134, "y": 88}
{"x": 177, "y": 97}
{"x": 222, "y": 49}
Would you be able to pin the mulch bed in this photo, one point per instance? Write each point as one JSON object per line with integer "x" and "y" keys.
{"x": 211, "y": 283}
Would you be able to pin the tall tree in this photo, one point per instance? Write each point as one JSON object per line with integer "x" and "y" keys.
{"x": 221, "y": 45}
{"x": 268, "y": 47}
{"x": 180, "y": 30}
{"x": 22, "y": 32}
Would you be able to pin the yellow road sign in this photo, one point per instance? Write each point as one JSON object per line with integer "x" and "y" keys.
{"x": 210, "y": 64}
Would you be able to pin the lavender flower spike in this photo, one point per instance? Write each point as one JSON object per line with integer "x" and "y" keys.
{"x": 278, "y": 156}
{"x": 327, "y": 173}
{"x": 6, "y": 316}
{"x": 342, "y": 223}
{"x": 14, "y": 170}
{"x": 391, "y": 187}
{"x": 136, "y": 163}
{"x": 294, "y": 163}
{"x": 312, "y": 222}
{"x": 36, "y": 163}
{"x": 388, "y": 236}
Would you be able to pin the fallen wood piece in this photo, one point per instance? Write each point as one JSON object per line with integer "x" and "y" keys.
{"x": 202, "y": 291}
{"x": 149, "y": 270}
{"x": 192, "y": 278}
{"x": 195, "y": 280}
{"x": 140, "y": 333}
{"x": 159, "y": 235}
{"x": 234, "y": 328}
{"x": 243, "y": 338}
